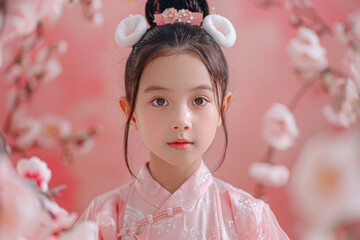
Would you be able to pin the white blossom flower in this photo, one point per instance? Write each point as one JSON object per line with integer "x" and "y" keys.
{"x": 54, "y": 129}
{"x": 324, "y": 187}
{"x": 345, "y": 108}
{"x": 35, "y": 169}
{"x": 269, "y": 175}
{"x": 45, "y": 71}
{"x": 63, "y": 220}
{"x": 306, "y": 52}
{"x": 279, "y": 127}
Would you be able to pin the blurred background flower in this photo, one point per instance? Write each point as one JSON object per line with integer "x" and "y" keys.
{"x": 324, "y": 186}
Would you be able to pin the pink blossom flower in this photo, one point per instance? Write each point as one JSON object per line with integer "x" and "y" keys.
{"x": 353, "y": 60}
{"x": 23, "y": 16}
{"x": 97, "y": 19}
{"x": 336, "y": 87}
{"x": 61, "y": 47}
{"x": 85, "y": 230}
{"x": 345, "y": 108}
{"x": 27, "y": 129}
{"x": 35, "y": 169}
{"x": 340, "y": 33}
{"x": 95, "y": 5}
{"x": 52, "y": 70}
{"x": 50, "y": 10}
{"x": 20, "y": 19}
{"x": 71, "y": 3}
{"x": 279, "y": 127}
{"x": 46, "y": 71}
{"x": 21, "y": 211}
{"x": 13, "y": 73}
{"x": 306, "y": 52}
{"x": 85, "y": 146}
{"x": 54, "y": 129}
{"x": 354, "y": 23}
{"x": 92, "y": 11}
{"x": 269, "y": 175}
{"x": 30, "y": 131}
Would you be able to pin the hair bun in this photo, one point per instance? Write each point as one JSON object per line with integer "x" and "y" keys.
{"x": 158, "y": 6}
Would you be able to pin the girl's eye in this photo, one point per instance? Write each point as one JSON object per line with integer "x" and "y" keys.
{"x": 200, "y": 101}
{"x": 159, "y": 102}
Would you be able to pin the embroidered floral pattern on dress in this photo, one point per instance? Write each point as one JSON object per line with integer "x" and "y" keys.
{"x": 150, "y": 187}
{"x": 231, "y": 228}
{"x": 244, "y": 205}
{"x": 163, "y": 225}
{"x": 131, "y": 217}
{"x": 193, "y": 234}
{"x": 190, "y": 207}
{"x": 262, "y": 226}
{"x": 202, "y": 177}
{"x": 103, "y": 219}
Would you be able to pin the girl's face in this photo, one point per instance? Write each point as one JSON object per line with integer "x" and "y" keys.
{"x": 176, "y": 112}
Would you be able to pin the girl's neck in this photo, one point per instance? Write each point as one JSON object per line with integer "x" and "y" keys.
{"x": 171, "y": 177}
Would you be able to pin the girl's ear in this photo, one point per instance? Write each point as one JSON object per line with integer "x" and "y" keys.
{"x": 125, "y": 107}
{"x": 227, "y": 101}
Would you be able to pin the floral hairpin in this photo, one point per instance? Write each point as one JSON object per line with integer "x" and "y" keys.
{"x": 171, "y": 15}
{"x": 131, "y": 29}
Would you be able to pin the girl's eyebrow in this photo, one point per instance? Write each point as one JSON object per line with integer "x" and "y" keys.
{"x": 159, "y": 88}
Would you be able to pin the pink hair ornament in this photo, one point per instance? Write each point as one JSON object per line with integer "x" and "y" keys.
{"x": 171, "y": 15}
{"x": 131, "y": 29}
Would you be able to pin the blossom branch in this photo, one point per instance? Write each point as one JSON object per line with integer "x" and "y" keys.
{"x": 310, "y": 62}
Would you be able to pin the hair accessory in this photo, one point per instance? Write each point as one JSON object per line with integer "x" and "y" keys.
{"x": 131, "y": 29}
{"x": 171, "y": 15}
{"x": 221, "y": 29}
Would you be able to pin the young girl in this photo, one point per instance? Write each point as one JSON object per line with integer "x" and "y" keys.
{"x": 176, "y": 96}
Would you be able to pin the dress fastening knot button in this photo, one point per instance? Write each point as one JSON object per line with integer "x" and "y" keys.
{"x": 170, "y": 212}
{"x": 150, "y": 219}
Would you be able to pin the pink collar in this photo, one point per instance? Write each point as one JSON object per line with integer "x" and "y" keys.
{"x": 191, "y": 190}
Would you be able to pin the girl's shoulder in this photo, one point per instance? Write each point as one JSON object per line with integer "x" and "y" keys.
{"x": 242, "y": 203}
{"x": 233, "y": 192}
{"x": 251, "y": 215}
{"x": 119, "y": 192}
{"x": 107, "y": 204}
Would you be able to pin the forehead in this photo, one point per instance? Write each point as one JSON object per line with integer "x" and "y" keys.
{"x": 175, "y": 72}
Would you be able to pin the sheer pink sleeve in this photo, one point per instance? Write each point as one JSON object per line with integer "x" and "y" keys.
{"x": 89, "y": 213}
{"x": 105, "y": 214}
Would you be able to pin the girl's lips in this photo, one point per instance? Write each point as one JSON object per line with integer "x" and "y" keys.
{"x": 180, "y": 145}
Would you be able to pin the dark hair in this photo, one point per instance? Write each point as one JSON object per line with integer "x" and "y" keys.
{"x": 171, "y": 39}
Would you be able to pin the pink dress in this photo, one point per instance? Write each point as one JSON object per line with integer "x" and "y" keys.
{"x": 202, "y": 208}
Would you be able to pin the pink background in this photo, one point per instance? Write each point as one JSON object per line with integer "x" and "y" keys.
{"x": 260, "y": 73}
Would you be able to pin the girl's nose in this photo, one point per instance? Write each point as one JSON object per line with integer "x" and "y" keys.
{"x": 181, "y": 126}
